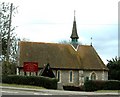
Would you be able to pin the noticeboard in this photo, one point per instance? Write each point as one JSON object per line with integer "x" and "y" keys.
{"x": 30, "y": 67}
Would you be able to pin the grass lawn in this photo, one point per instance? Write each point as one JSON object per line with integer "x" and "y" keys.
{"x": 108, "y": 91}
{"x": 21, "y": 86}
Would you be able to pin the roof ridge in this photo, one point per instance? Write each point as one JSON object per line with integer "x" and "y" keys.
{"x": 35, "y": 42}
{"x": 58, "y": 44}
{"x": 76, "y": 49}
{"x": 86, "y": 45}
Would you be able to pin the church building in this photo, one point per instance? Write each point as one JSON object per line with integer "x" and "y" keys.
{"x": 70, "y": 63}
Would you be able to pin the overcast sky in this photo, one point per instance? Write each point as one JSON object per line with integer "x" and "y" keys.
{"x": 52, "y": 21}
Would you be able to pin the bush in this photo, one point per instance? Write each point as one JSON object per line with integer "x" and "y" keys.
{"x": 50, "y": 83}
{"x": 112, "y": 85}
{"x": 90, "y": 86}
{"x": 73, "y": 88}
{"x": 101, "y": 85}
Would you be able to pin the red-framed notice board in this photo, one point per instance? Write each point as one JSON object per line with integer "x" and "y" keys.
{"x": 30, "y": 67}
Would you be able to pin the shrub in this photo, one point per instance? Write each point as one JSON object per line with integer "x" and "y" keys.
{"x": 90, "y": 86}
{"x": 112, "y": 85}
{"x": 50, "y": 83}
{"x": 101, "y": 85}
{"x": 74, "y": 88}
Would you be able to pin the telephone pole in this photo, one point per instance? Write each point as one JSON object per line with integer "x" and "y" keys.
{"x": 8, "y": 41}
{"x": 9, "y": 30}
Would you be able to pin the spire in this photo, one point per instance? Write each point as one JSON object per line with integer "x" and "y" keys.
{"x": 74, "y": 35}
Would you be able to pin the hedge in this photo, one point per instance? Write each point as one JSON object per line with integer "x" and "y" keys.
{"x": 101, "y": 85}
{"x": 74, "y": 88}
{"x": 49, "y": 83}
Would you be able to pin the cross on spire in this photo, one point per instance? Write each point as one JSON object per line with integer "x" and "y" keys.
{"x": 74, "y": 15}
{"x": 91, "y": 41}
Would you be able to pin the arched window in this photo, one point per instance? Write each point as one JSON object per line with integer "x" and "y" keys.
{"x": 70, "y": 76}
{"x": 93, "y": 76}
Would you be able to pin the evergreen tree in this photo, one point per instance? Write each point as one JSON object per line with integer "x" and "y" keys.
{"x": 114, "y": 69}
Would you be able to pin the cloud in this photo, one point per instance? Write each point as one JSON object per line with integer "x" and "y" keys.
{"x": 51, "y": 21}
{"x": 104, "y": 39}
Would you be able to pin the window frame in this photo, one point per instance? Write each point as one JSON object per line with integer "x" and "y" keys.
{"x": 70, "y": 76}
{"x": 59, "y": 76}
{"x": 93, "y": 76}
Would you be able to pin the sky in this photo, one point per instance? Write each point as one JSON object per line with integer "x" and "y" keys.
{"x": 52, "y": 21}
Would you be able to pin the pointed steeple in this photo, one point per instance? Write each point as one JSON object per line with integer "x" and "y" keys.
{"x": 74, "y": 35}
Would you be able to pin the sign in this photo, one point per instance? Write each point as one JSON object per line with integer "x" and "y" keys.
{"x": 30, "y": 67}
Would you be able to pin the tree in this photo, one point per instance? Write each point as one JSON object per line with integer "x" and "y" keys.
{"x": 114, "y": 69}
{"x": 64, "y": 42}
{"x": 68, "y": 42}
{"x": 8, "y": 37}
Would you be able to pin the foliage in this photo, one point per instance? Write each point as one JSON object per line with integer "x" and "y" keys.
{"x": 64, "y": 42}
{"x": 112, "y": 85}
{"x": 50, "y": 83}
{"x": 90, "y": 86}
{"x": 9, "y": 41}
{"x": 101, "y": 85}
{"x": 74, "y": 88}
{"x": 67, "y": 42}
{"x": 114, "y": 69}
{"x": 11, "y": 68}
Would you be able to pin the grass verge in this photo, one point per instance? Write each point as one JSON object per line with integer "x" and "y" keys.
{"x": 108, "y": 91}
{"x": 21, "y": 86}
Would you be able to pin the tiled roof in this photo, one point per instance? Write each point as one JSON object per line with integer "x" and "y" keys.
{"x": 61, "y": 56}
{"x": 90, "y": 59}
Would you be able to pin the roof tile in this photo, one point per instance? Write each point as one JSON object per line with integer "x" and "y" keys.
{"x": 60, "y": 56}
